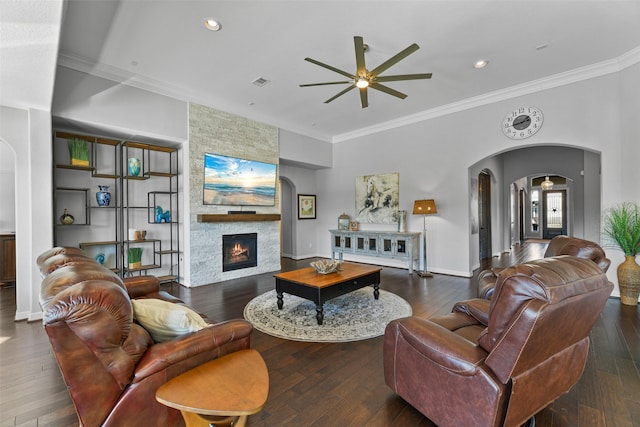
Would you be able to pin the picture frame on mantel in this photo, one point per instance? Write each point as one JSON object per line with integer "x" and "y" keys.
{"x": 306, "y": 206}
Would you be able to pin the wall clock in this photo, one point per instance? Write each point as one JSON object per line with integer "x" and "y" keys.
{"x": 522, "y": 122}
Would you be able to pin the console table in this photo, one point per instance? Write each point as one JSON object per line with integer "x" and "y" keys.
{"x": 382, "y": 244}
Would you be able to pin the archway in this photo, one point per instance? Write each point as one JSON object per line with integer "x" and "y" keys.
{"x": 514, "y": 170}
{"x": 288, "y": 209}
{"x": 7, "y": 212}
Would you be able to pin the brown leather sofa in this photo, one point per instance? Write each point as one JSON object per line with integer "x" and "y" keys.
{"x": 499, "y": 367}
{"x": 110, "y": 364}
{"x": 559, "y": 245}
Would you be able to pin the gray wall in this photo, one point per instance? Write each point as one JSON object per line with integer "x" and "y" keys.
{"x": 303, "y": 151}
{"x": 434, "y": 157}
{"x": 563, "y": 161}
{"x": 29, "y": 135}
{"x": 102, "y": 104}
{"x": 303, "y": 231}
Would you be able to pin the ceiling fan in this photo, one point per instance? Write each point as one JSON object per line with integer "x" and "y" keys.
{"x": 364, "y": 79}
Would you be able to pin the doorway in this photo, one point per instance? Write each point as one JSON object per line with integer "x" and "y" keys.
{"x": 7, "y": 216}
{"x": 554, "y": 213}
{"x": 287, "y": 237}
{"x": 521, "y": 215}
{"x": 484, "y": 214}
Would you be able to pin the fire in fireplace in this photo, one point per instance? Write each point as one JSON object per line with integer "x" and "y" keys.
{"x": 239, "y": 251}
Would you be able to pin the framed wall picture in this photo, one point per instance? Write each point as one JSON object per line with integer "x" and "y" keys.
{"x": 306, "y": 206}
{"x": 378, "y": 198}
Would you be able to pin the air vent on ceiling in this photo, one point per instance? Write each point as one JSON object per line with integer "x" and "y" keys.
{"x": 260, "y": 81}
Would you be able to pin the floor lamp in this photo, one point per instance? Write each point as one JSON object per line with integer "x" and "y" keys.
{"x": 424, "y": 207}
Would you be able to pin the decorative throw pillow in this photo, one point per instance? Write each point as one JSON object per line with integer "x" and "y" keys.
{"x": 166, "y": 320}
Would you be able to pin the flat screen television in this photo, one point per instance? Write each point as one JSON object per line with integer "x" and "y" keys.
{"x": 238, "y": 182}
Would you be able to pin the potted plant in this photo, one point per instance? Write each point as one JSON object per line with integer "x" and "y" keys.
{"x": 78, "y": 152}
{"x": 135, "y": 258}
{"x": 622, "y": 229}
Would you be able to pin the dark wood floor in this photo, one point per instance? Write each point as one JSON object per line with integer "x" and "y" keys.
{"x": 316, "y": 384}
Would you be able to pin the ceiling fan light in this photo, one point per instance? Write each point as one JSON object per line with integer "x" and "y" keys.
{"x": 362, "y": 83}
{"x": 547, "y": 184}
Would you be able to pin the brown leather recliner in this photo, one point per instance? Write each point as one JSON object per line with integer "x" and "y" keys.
{"x": 559, "y": 245}
{"x": 470, "y": 369}
{"x": 110, "y": 364}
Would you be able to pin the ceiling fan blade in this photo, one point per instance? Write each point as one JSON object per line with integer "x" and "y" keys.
{"x": 403, "y": 77}
{"x": 394, "y": 60}
{"x": 387, "y": 89}
{"x": 364, "y": 101}
{"x": 326, "y": 83}
{"x": 329, "y": 67}
{"x": 340, "y": 94}
{"x": 361, "y": 70}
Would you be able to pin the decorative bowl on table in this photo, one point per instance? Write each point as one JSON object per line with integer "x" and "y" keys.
{"x": 326, "y": 266}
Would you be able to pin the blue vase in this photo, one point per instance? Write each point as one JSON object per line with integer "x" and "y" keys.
{"x": 134, "y": 166}
{"x": 103, "y": 197}
{"x": 100, "y": 258}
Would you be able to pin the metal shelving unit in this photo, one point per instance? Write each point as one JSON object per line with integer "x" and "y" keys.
{"x": 71, "y": 189}
{"x": 157, "y": 184}
{"x": 105, "y": 229}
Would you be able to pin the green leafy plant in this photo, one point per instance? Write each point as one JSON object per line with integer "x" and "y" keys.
{"x": 622, "y": 227}
{"x": 78, "y": 149}
{"x": 135, "y": 255}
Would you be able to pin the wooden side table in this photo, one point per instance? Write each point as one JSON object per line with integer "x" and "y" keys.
{"x": 222, "y": 392}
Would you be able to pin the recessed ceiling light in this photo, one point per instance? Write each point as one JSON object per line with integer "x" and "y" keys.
{"x": 481, "y": 64}
{"x": 212, "y": 25}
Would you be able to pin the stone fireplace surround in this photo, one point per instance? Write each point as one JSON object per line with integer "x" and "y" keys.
{"x": 206, "y": 247}
{"x": 217, "y": 132}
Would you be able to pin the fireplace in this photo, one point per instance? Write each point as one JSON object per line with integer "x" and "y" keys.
{"x": 239, "y": 251}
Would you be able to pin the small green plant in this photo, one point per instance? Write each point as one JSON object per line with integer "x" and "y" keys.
{"x": 78, "y": 149}
{"x": 622, "y": 227}
{"x": 135, "y": 255}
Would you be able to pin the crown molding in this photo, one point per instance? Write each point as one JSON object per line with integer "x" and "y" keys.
{"x": 626, "y": 60}
{"x": 77, "y": 63}
{"x": 121, "y": 76}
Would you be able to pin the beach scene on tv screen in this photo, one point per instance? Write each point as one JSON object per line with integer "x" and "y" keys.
{"x": 238, "y": 182}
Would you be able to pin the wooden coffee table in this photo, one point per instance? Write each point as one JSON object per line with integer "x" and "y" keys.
{"x": 222, "y": 392}
{"x": 308, "y": 284}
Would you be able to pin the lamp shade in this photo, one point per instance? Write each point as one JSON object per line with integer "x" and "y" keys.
{"x": 424, "y": 207}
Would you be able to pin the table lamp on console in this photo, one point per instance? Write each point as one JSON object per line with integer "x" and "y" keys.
{"x": 424, "y": 207}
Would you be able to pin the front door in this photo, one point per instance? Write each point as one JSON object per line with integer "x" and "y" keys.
{"x": 554, "y": 213}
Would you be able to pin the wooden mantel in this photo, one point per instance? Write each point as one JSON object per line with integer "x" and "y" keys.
{"x": 238, "y": 217}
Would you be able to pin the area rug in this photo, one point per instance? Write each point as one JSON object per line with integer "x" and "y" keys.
{"x": 351, "y": 317}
